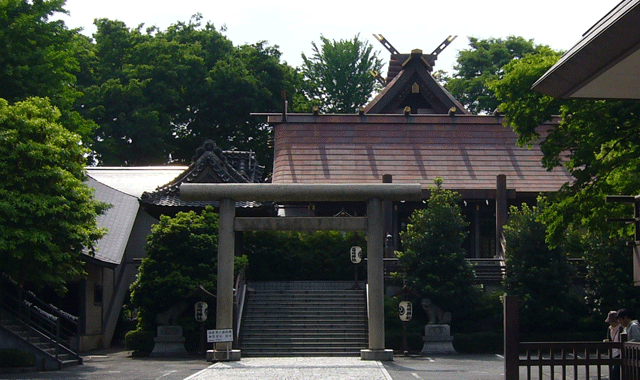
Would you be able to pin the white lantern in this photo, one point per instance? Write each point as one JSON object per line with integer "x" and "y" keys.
{"x": 356, "y": 254}
{"x": 202, "y": 310}
{"x": 405, "y": 310}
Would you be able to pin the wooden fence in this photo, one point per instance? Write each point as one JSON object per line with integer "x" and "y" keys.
{"x": 562, "y": 360}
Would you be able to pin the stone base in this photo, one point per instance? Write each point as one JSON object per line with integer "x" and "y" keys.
{"x": 382, "y": 355}
{"x": 169, "y": 342}
{"x": 217, "y": 356}
{"x": 437, "y": 340}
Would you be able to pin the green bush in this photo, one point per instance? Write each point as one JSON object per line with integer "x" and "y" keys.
{"x": 10, "y": 358}
{"x": 140, "y": 340}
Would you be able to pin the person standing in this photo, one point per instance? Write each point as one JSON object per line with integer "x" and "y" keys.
{"x": 613, "y": 335}
{"x": 631, "y": 326}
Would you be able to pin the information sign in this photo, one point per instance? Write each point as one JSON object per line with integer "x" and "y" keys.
{"x": 216, "y": 336}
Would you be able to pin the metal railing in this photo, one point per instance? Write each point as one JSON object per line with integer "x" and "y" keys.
{"x": 41, "y": 320}
{"x": 238, "y": 306}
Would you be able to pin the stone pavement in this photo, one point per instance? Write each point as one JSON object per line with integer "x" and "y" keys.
{"x": 445, "y": 367}
{"x": 118, "y": 364}
{"x": 330, "y": 368}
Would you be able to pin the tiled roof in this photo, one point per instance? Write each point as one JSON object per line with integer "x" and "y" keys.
{"x": 118, "y": 220}
{"x": 211, "y": 165}
{"x": 468, "y": 152}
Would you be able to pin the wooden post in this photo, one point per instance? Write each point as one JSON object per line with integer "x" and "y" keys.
{"x": 511, "y": 337}
{"x": 501, "y": 211}
{"x": 636, "y": 242}
{"x": 387, "y": 212}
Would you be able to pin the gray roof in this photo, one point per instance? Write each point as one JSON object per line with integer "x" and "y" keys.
{"x": 119, "y": 220}
{"x": 135, "y": 180}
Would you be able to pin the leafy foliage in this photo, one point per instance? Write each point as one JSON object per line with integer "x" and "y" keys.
{"x": 538, "y": 274}
{"x": 598, "y": 142}
{"x": 158, "y": 94}
{"x": 290, "y": 256}
{"x": 481, "y": 64}
{"x": 434, "y": 260}
{"x": 609, "y": 280}
{"x": 181, "y": 255}
{"x": 39, "y": 57}
{"x": 47, "y": 214}
{"x": 338, "y": 74}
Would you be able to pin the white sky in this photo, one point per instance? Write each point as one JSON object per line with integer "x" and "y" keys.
{"x": 407, "y": 25}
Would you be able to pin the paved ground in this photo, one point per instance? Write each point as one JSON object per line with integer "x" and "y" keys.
{"x": 115, "y": 364}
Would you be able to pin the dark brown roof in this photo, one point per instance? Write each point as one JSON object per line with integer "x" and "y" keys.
{"x": 414, "y": 87}
{"x": 210, "y": 165}
{"x": 468, "y": 152}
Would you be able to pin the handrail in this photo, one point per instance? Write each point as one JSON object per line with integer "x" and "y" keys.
{"x": 238, "y": 305}
{"x": 42, "y": 319}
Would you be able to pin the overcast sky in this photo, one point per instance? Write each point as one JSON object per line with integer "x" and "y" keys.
{"x": 407, "y": 25}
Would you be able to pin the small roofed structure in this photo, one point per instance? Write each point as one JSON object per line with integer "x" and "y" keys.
{"x": 210, "y": 165}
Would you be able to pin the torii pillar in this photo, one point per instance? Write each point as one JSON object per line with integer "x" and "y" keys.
{"x": 373, "y": 194}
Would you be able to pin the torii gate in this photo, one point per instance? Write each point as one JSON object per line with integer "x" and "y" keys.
{"x": 373, "y": 194}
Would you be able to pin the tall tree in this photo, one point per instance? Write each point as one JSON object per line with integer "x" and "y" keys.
{"x": 47, "y": 214}
{"x": 39, "y": 57}
{"x": 597, "y": 141}
{"x": 158, "y": 94}
{"x": 338, "y": 74}
{"x": 481, "y": 64}
{"x": 538, "y": 274}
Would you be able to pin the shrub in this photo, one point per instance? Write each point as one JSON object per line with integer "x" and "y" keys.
{"x": 10, "y": 358}
{"x": 140, "y": 340}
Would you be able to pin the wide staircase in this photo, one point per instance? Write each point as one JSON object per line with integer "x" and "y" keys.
{"x": 32, "y": 325}
{"x": 304, "y": 319}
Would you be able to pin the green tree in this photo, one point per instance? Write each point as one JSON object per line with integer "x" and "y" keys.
{"x": 39, "y": 57}
{"x": 538, "y": 274}
{"x": 433, "y": 258}
{"x": 47, "y": 214}
{"x": 481, "y": 64}
{"x": 156, "y": 95}
{"x": 609, "y": 279}
{"x": 338, "y": 74}
{"x": 181, "y": 255}
{"x": 597, "y": 141}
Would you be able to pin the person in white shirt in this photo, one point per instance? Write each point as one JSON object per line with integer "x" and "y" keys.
{"x": 631, "y": 326}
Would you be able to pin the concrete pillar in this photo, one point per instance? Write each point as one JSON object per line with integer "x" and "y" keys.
{"x": 375, "y": 280}
{"x": 501, "y": 211}
{"x": 224, "y": 300}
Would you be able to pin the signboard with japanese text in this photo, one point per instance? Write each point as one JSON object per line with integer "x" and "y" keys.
{"x": 216, "y": 336}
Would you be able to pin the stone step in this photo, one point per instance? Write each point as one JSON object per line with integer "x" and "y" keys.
{"x": 304, "y": 322}
{"x": 297, "y": 328}
{"x": 317, "y": 311}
